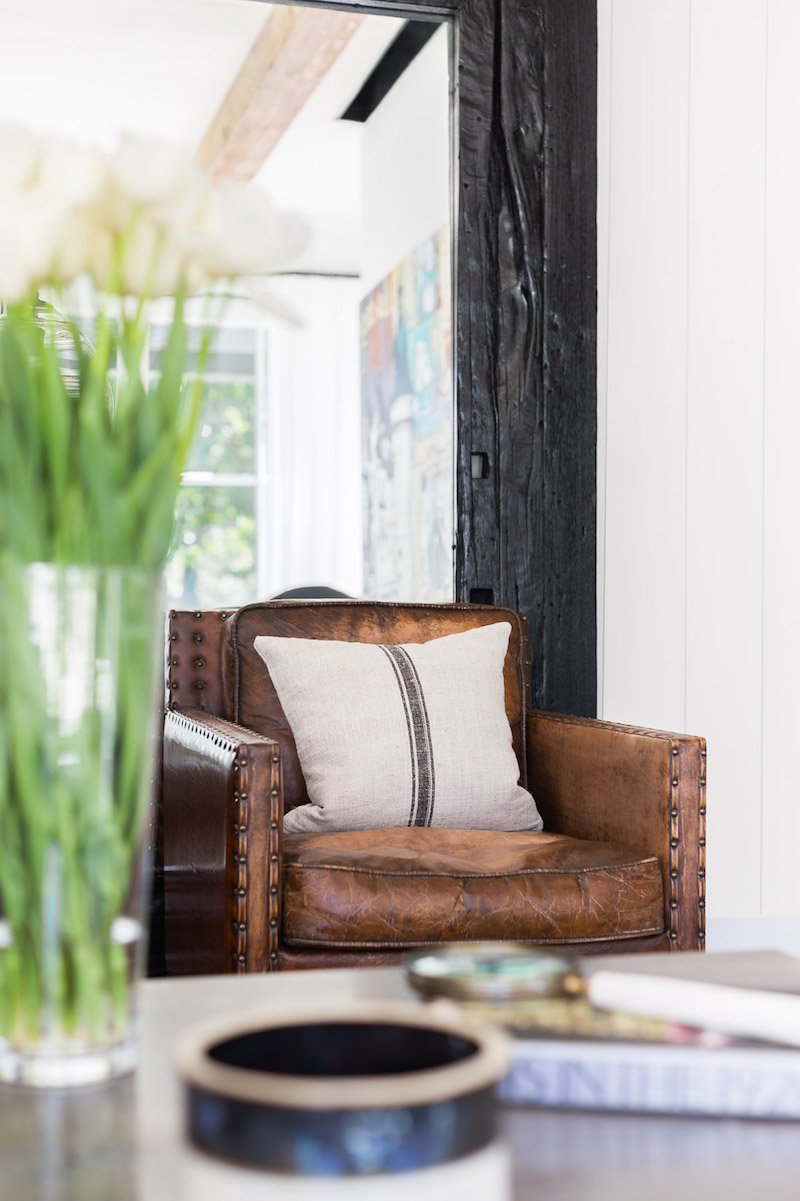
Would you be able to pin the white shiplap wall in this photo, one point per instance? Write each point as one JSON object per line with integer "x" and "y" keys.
{"x": 699, "y": 374}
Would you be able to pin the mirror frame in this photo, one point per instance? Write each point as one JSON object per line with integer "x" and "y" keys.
{"x": 524, "y": 204}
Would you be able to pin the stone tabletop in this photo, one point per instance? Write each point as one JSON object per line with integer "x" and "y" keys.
{"x": 124, "y": 1141}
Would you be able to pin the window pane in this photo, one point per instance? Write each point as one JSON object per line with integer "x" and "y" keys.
{"x": 232, "y": 352}
{"x": 212, "y": 564}
{"x": 226, "y": 437}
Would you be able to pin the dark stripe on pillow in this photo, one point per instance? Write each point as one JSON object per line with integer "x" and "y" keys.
{"x": 424, "y": 745}
{"x": 424, "y": 778}
{"x": 410, "y": 728}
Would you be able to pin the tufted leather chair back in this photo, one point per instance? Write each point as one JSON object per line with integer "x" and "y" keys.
{"x": 213, "y": 665}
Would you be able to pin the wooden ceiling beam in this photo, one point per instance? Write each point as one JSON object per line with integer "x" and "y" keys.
{"x": 293, "y": 52}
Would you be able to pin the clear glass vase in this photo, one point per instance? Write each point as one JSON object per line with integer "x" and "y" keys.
{"x": 78, "y": 656}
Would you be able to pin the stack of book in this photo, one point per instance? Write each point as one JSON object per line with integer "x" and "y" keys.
{"x": 709, "y": 1068}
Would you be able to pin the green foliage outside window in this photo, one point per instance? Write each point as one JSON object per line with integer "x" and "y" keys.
{"x": 213, "y": 555}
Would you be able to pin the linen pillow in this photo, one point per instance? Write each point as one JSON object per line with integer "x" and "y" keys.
{"x": 411, "y": 735}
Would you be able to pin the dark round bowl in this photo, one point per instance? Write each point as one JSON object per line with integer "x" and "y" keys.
{"x": 329, "y": 1090}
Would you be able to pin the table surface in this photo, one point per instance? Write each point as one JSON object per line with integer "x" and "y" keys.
{"x": 123, "y": 1141}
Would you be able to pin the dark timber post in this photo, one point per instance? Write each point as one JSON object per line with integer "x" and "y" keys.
{"x": 526, "y": 322}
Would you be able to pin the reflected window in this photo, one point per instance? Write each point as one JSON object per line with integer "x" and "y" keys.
{"x": 215, "y": 548}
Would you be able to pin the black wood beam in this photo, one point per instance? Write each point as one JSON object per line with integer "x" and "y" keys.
{"x": 526, "y": 330}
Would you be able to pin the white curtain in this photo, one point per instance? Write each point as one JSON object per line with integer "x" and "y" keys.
{"x": 313, "y": 511}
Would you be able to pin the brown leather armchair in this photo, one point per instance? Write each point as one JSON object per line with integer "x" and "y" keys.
{"x": 619, "y": 866}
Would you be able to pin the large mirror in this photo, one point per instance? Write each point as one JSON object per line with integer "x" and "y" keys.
{"x": 325, "y": 450}
{"x": 507, "y": 151}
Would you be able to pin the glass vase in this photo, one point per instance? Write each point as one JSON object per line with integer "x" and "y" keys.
{"x": 78, "y": 656}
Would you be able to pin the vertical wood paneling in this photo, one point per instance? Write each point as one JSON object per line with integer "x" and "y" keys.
{"x": 646, "y": 421}
{"x": 724, "y": 433}
{"x": 781, "y": 716}
{"x": 720, "y": 99}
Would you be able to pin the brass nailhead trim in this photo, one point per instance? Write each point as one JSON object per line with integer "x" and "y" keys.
{"x": 274, "y": 844}
{"x": 240, "y": 864}
{"x": 673, "y": 853}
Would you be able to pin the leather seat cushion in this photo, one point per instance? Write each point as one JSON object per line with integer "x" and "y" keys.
{"x": 402, "y": 887}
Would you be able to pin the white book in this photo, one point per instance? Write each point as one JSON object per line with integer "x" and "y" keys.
{"x": 754, "y": 1080}
{"x": 761, "y": 1082}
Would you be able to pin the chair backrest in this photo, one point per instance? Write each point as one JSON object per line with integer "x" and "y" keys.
{"x": 213, "y": 665}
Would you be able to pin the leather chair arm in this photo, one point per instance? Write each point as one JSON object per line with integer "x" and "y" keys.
{"x": 643, "y": 789}
{"x": 222, "y": 832}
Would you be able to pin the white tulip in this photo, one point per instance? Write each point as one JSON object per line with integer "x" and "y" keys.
{"x": 19, "y": 151}
{"x": 75, "y": 173}
{"x": 241, "y": 233}
{"x": 113, "y": 208}
{"x": 15, "y": 281}
{"x": 100, "y": 256}
{"x": 156, "y": 265}
{"x": 83, "y": 247}
{"x": 35, "y": 226}
{"x": 184, "y": 207}
{"x": 67, "y": 209}
{"x": 148, "y": 169}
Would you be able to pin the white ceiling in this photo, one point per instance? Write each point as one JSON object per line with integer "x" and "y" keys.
{"x": 87, "y": 69}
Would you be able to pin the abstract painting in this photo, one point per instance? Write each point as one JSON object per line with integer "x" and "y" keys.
{"x": 407, "y": 429}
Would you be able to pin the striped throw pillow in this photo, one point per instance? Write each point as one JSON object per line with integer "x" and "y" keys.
{"x": 411, "y": 735}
